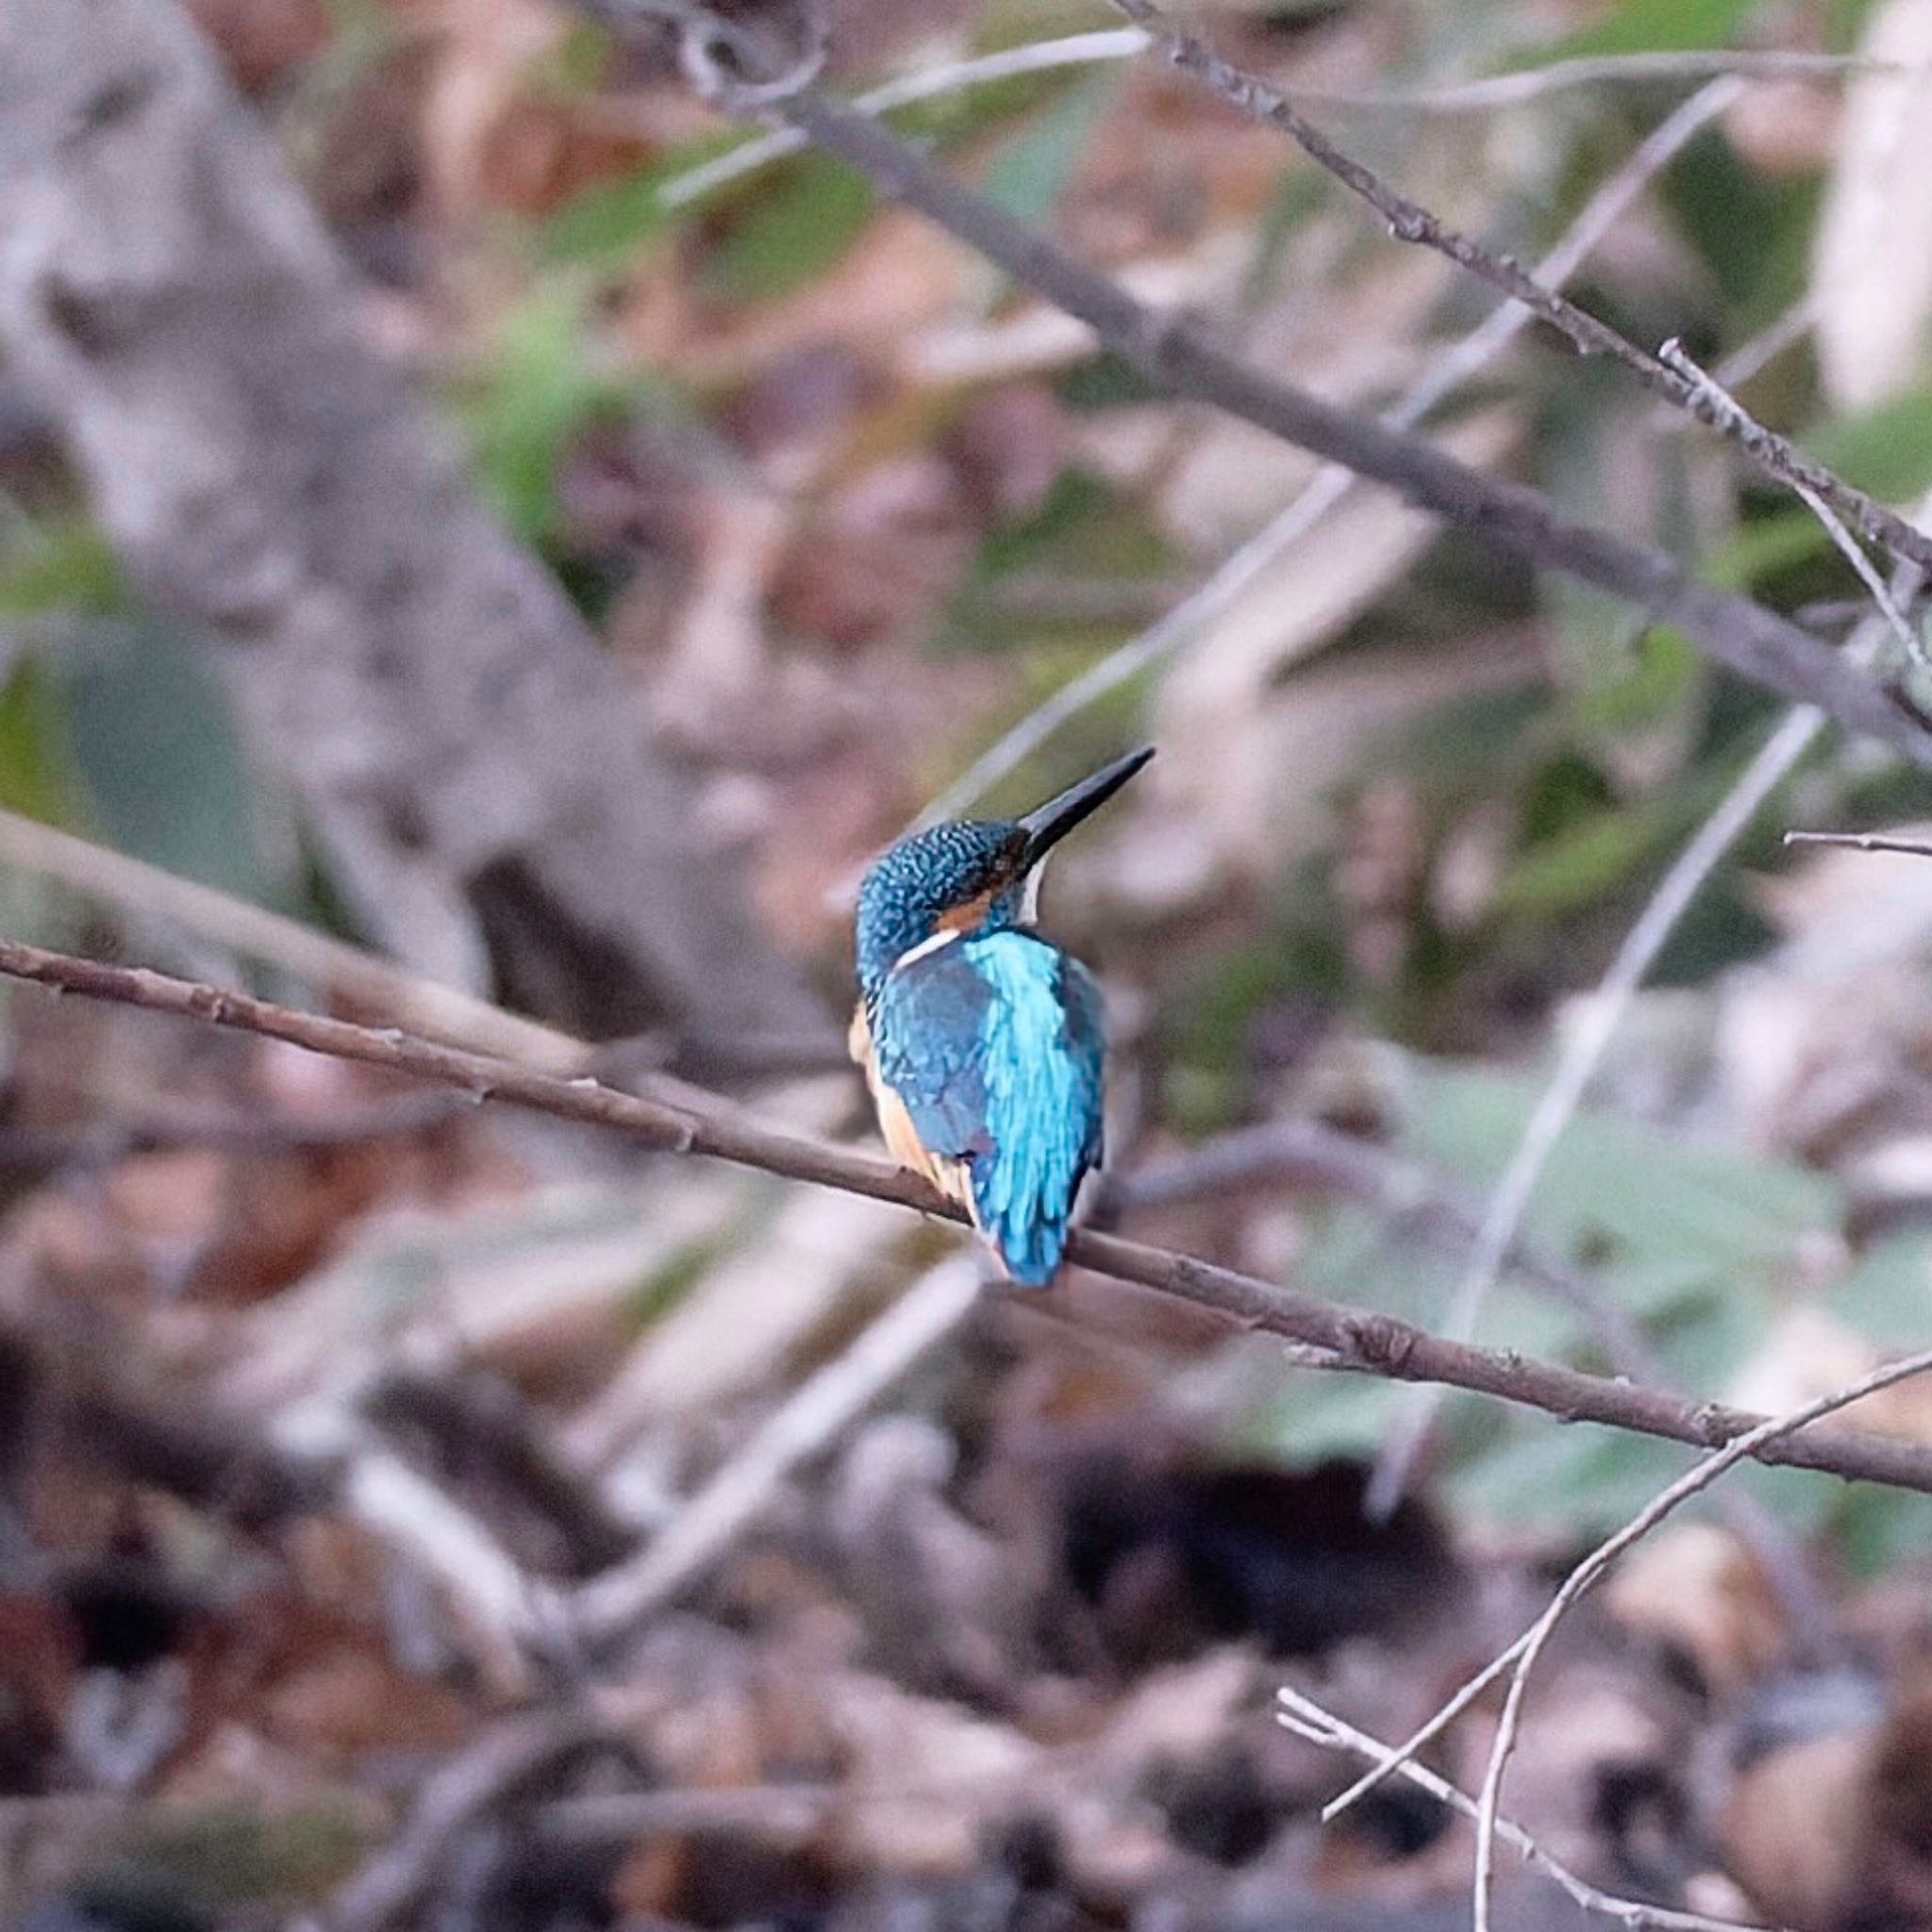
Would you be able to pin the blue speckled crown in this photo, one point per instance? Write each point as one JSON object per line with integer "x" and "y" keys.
{"x": 922, "y": 877}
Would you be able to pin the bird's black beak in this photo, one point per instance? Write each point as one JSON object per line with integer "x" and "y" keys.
{"x": 1048, "y": 824}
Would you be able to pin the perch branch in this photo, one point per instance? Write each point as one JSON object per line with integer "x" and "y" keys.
{"x": 1582, "y": 1053}
{"x": 1341, "y": 1338}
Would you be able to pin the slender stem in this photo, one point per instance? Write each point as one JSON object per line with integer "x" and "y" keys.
{"x": 1693, "y": 1482}
{"x": 1170, "y": 351}
{"x": 1238, "y": 573}
{"x": 1408, "y": 221}
{"x": 1340, "y": 1338}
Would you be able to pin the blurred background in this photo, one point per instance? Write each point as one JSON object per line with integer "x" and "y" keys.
{"x": 462, "y": 497}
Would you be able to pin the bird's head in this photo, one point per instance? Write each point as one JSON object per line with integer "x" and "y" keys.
{"x": 969, "y": 874}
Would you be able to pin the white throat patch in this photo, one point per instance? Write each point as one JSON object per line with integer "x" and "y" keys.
{"x": 945, "y": 937}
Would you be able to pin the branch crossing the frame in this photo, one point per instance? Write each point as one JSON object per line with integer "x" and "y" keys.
{"x": 1327, "y": 1334}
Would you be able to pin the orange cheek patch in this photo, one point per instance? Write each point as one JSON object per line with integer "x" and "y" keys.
{"x": 969, "y": 917}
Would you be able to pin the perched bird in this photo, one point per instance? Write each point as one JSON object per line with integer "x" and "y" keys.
{"x": 982, "y": 1043}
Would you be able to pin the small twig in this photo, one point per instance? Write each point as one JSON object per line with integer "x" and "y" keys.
{"x": 1119, "y": 43}
{"x": 1181, "y": 358}
{"x": 1332, "y": 482}
{"x": 1693, "y": 1482}
{"x": 1752, "y": 355}
{"x": 510, "y": 1759}
{"x": 1596, "y": 69}
{"x": 1863, "y": 841}
{"x": 328, "y": 965}
{"x": 495, "y": 1601}
{"x": 1345, "y": 1338}
{"x": 1579, "y": 1055}
{"x": 928, "y": 83}
{"x": 1408, "y": 221}
{"x": 1306, "y": 1719}
{"x": 818, "y": 1411}
{"x": 1724, "y": 407}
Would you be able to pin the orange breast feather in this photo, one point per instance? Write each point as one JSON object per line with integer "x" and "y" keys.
{"x": 901, "y": 1137}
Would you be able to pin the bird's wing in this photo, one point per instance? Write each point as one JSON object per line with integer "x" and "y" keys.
{"x": 927, "y": 1043}
{"x": 995, "y": 1047}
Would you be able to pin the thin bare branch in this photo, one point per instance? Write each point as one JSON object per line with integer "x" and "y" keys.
{"x": 1181, "y": 358}
{"x": 1644, "y": 69}
{"x": 927, "y": 84}
{"x": 1105, "y": 45}
{"x": 816, "y": 1412}
{"x": 1693, "y": 1482}
{"x": 1342, "y": 1337}
{"x": 1306, "y": 1719}
{"x": 1333, "y": 481}
{"x": 1721, "y": 403}
{"x": 1408, "y": 221}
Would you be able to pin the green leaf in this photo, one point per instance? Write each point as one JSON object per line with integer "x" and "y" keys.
{"x": 1030, "y": 170}
{"x": 1313, "y": 1416}
{"x": 1753, "y": 231}
{"x": 1879, "y": 1530}
{"x": 1638, "y": 26}
{"x": 1084, "y": 530}
{"x": 536, "y": 391}
{"x": 1571, "y": 1480}
{"x": 1887, "y": 1293}
{"x": 157, "y": 748}
{"x": 1624, "y": 1183}
{"x": 1579, "y": 866}
{"x": 802, "y": 220}
{"x": 1765, "y": 547}
{"x": 609, "y": 224}
{"x": 63, "y": 565}
{"x": 1885, "y": 450}
{"x": 37, "y": 775}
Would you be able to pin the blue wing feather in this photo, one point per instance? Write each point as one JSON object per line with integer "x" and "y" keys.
{"x": 995, "y": 1044}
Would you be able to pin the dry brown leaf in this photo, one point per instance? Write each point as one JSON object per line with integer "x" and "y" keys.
{"x": 1698, "y": 1588}
{"x": 1790, "y": 1833}
{"x": 1808, "y": 1355}
{"x": 486, "y": 51}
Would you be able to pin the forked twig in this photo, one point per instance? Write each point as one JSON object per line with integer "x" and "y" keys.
{"x": 1332, "y": 482}
{"x": 1306, "y": 1719}
{"x": 1408, "y": 221}
{"x": 1722, "y": 405}
{"x": 1693, "y": 1482}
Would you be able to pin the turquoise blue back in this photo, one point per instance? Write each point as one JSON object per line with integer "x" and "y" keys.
{"x": 996, "y": 1044}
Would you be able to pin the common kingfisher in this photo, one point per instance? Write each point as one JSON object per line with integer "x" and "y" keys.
{"x": 982, "y": 1043}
